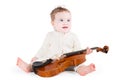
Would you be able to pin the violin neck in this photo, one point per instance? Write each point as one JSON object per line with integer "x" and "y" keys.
{"x": 78, "y": 52}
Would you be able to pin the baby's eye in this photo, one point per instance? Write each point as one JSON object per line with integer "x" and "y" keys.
{"x": 68, "y": 20}
{"x": 61, "y": 20}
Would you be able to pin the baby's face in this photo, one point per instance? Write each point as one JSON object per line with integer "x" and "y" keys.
{"x": 62, "y": 22}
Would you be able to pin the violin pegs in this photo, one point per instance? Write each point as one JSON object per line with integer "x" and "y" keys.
{"x": 104, "y": 49}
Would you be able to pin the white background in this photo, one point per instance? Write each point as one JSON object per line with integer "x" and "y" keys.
{"x": 25, "y": 23}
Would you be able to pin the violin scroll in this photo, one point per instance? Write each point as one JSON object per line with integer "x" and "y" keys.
{"x": 105, "y": 49}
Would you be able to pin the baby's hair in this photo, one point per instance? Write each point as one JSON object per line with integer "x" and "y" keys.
{"x": 56, "y": 10}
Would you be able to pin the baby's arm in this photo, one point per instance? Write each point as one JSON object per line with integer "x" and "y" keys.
{"x": 76, "y": 44}
{"x": 43, "y": 51}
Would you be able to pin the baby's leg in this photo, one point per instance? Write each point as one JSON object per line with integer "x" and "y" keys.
{"x": 83, "y": 70}
{"x": 23, "y": 65}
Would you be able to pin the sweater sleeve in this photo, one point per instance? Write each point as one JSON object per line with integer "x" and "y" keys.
{"x": 76, "y": 44}
{"x": 43, "y": 50}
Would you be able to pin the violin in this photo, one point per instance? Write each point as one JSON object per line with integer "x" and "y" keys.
{"x": 50, "y": 68}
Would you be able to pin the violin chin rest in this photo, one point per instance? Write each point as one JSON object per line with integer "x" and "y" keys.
{"x": 36, "y": 65}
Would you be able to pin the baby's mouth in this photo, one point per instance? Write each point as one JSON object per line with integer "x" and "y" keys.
{"x": 65, "y": 27}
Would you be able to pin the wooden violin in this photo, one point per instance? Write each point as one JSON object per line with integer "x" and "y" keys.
{"x": 50, "y": 68}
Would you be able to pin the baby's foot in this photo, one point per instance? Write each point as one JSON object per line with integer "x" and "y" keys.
{"x": 83, "y": 70}
{"x": 23, "y": 65}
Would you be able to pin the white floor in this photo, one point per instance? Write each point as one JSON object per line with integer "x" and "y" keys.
{"x": 24, "y": 24}
{"x": 107, "y": 67}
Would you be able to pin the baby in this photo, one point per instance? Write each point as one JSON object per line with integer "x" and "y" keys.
{"x": 58, "y": 42}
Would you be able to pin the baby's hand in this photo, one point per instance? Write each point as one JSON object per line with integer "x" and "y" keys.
{"x": 88, "y": 50}
{"x": 58, "y": 58}
{"x": 62, "y": 56}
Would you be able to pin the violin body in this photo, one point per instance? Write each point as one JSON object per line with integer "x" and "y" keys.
{"x": 50, "y": 68}
{"x": 59, "y": 66}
